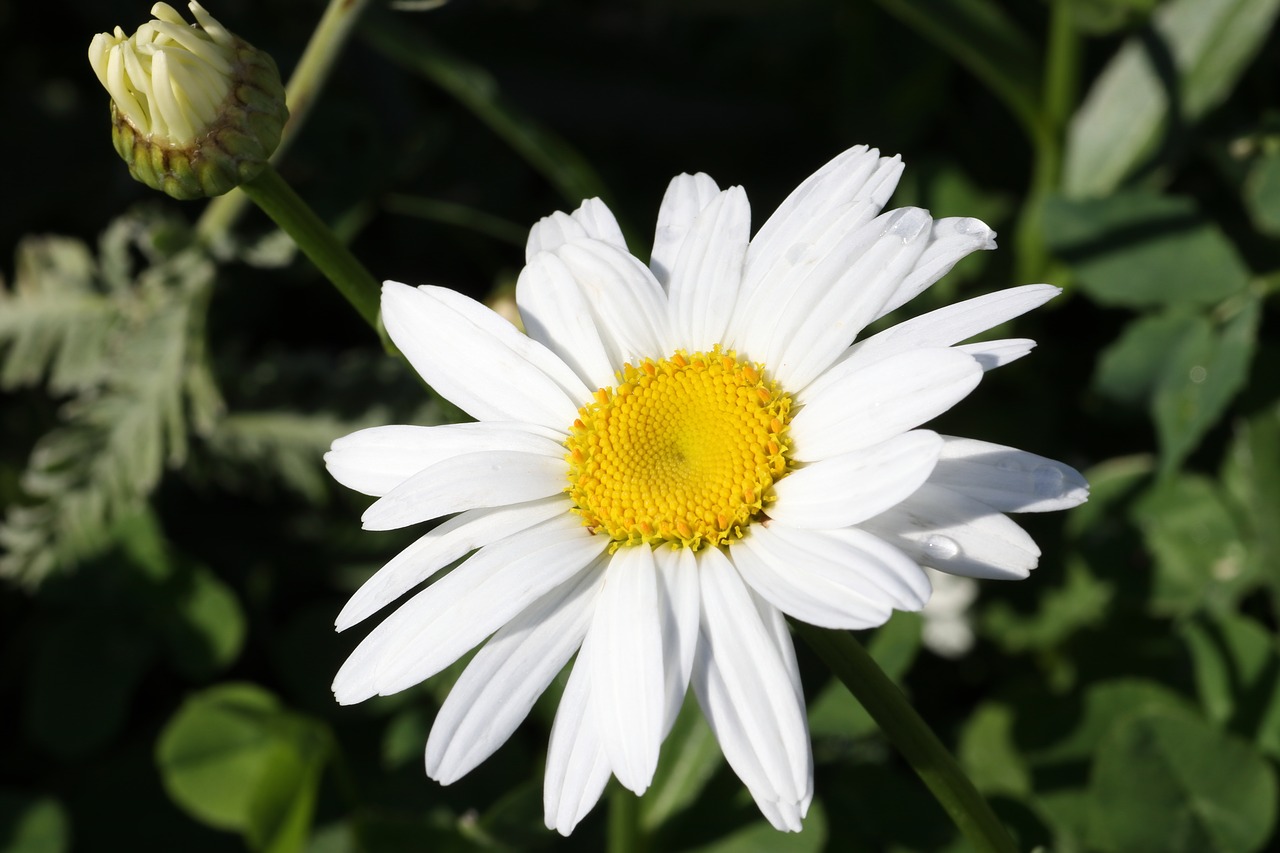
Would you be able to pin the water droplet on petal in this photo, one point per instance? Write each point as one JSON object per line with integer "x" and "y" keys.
{"x": 1046, "y": 481}
{"x": 939, "y": 547}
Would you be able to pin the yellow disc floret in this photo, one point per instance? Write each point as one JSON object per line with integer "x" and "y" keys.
{"x": 684, "y": 450}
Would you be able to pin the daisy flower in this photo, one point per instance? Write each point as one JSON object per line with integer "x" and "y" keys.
{"x": 671, "y": 459}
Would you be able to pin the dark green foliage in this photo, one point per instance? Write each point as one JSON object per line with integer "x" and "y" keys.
{"x": 174, "y": 553}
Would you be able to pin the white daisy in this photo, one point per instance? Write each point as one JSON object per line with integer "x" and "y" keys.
{"x": 673, "y": 458}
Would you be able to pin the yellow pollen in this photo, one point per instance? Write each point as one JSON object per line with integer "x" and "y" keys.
{"x": 684, "y": 450}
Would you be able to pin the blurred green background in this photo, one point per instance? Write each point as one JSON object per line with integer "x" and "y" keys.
{"x": 173, "y": 554}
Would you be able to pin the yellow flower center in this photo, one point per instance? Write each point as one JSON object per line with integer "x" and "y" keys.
{"x": 684, "y": 450}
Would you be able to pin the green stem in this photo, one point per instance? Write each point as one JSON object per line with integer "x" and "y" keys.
{"x": 624, "y": 822}
{"x": 278, "y": 200}
{"x": 1061, "y": 73}
{"x": 911, "y": 735}
{"x": 309, "y": 76}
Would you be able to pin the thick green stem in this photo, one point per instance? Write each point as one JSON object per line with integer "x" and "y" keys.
{"x": 624, "y": 834}
{"x": 910, "y": 735}
{"x": 278, "y": 200}
{"x": 313, "y": 69}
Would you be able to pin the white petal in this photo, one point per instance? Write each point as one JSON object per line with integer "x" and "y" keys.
{"x": 776, "y": 624}
{"x": 500, "y": 685}
{"x": 470, "y": 481}
{"x": 798, "y": 590}
{"x": 943, "y": 327}
{"x": 374, "y": 461}
{"x": 839, "y": 292}
{"x": 843, "y": 578}
{"x": 678, "y": 609}
{"x": 859, "y": 176}
{"x": 949, "y": 241}
{"x": 445, "y": 620}
{"x": 627, "y": 303}
{"x": 556, "y": 313}
{"x": 599, "y": 222}
{"x": 993, "y": 354}
{"x": 882, "y": 400}
{"x": 940, "y": 328}
{"x": 746, "y": 686}
{"x": 849, "y": 488}
{"x": 577, "y": 767}
{"x": 593, "y": 219}
{"x": 948, "y": 531}
{"x": 880, "y": 566}
{"x": 626, "y": 661}
{"x": 703, "y": 285}
{"x": 784, "y": 817}
{"x": 474, "y": 358}
{"x": 552, "y": 232}
{"x": 449, "y": 541}
{"x": 684, "y": 199}
{"x": 825, "y": 281}
{"x": 1007, "y": 479}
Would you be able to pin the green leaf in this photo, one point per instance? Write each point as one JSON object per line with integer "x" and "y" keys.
{"x": 196, "y": 616}
{"x": 383, "y": 831}
{"x": 1249, "y": 476}
{"x": 234, "y": 758}
{"x": 205, "y": 627}
{"x": 1193, "y": 536}
{"x": 1100, "y": 17}
{"x": 989, "y": 754}
{"x": 1167, "y": 782}
{"x": 1079, "y": 603}
{"x": 1203, "y": 374}
{"x": 1110, "y": 482}
{"x": 1262, "y": 193}
{"x": 1059, "y": 736}
{"x": 1138, "y": 248}
{"x": 404, "y": 737}
{"x": 1127, "y": 113}
{"x": 986, "y": 42}
{"x": 1237, "y": 669}
{"x": 54, "y": 321}
{"x": 514, "y": 822}
{"x": 690, "y": 757}
{"x": 761, "y": 837}
{"x": 1131, "y": 366}
{"x": 1066, "y": 733}
{"x": 149, "y": 386}
{"x": 289, "y": 444}
{"x": 284, "y": 796}
{"x": 33, "y": 824}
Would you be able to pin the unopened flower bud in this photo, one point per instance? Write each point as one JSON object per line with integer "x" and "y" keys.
{"x": 195, "y": 110}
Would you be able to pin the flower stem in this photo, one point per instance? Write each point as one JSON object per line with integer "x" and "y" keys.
{"x": 624, "y": 822}
{"x": 278, "y": 200}
{"x": 1057, "y": 100}
{"x": 911, "y": 735}
{"x": 301, "y": 94}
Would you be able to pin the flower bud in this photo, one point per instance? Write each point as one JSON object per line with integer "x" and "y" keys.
{"x": 195, "y": 110}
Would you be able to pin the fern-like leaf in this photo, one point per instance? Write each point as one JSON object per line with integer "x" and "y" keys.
{"x": 129, "y": 350}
